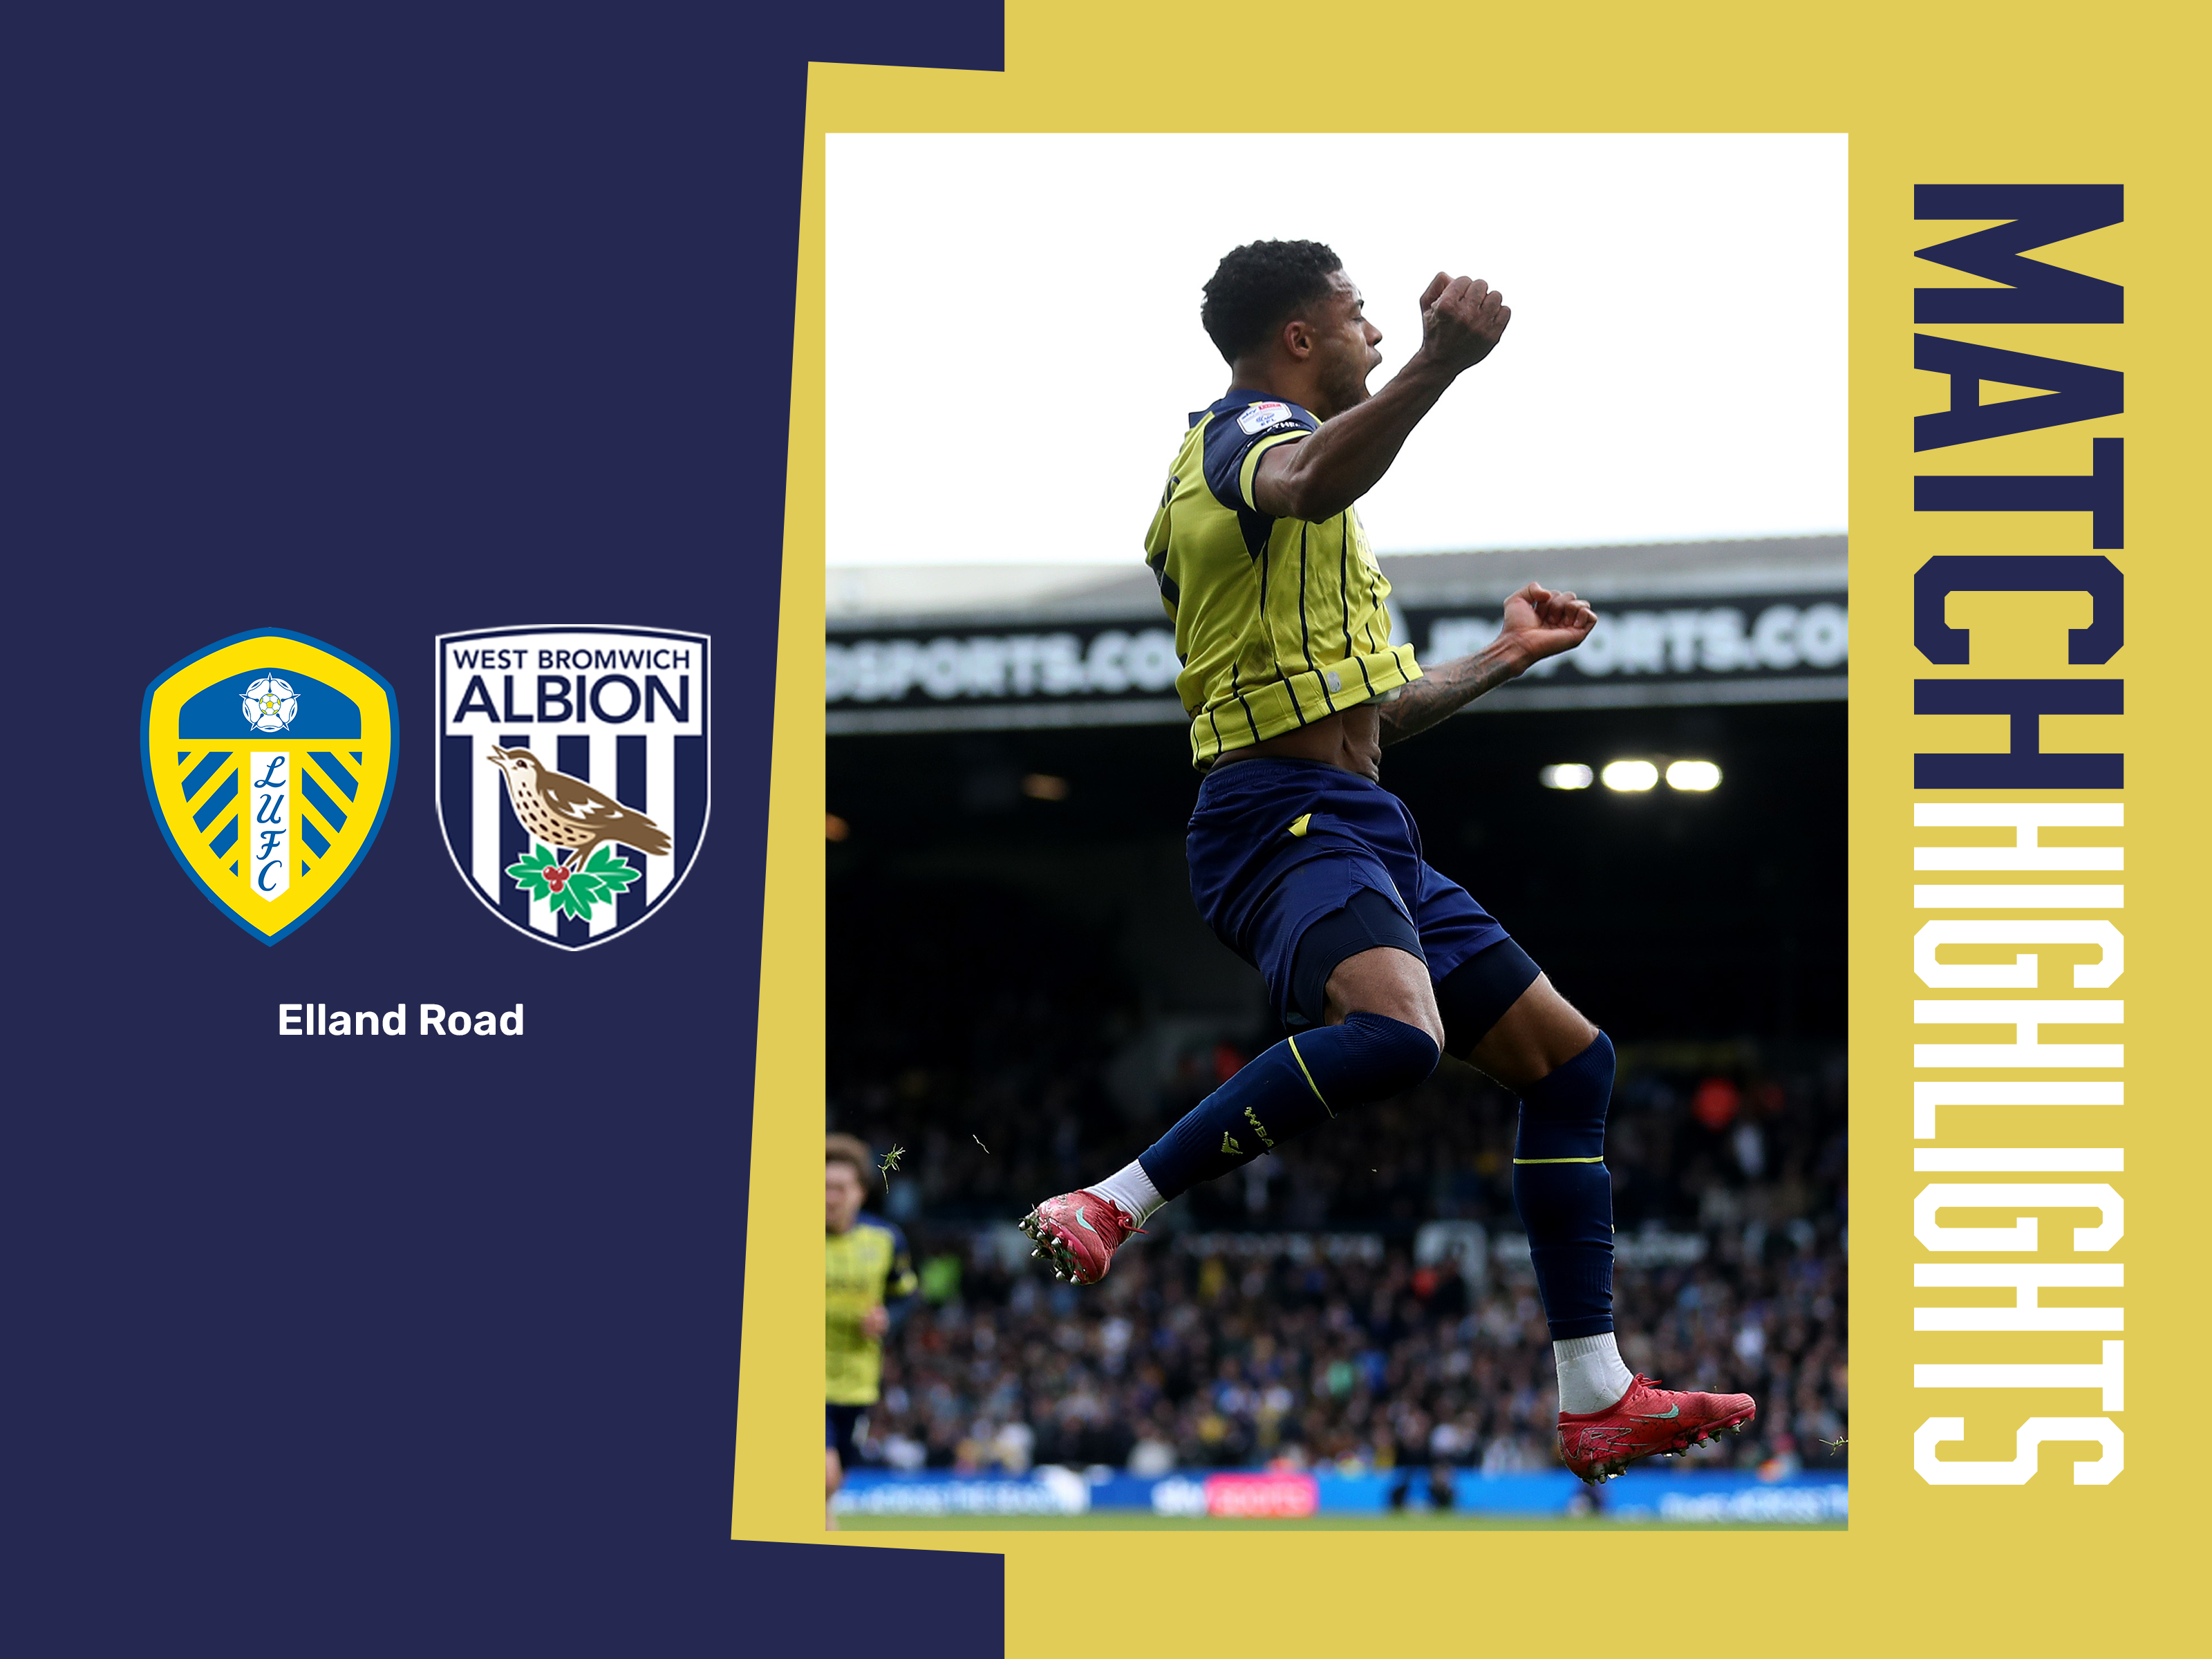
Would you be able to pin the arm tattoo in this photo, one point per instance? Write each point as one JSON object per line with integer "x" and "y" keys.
{"x": 1444, "y": 691}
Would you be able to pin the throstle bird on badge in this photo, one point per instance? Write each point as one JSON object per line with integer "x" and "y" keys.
{"x": 568, "y": 813}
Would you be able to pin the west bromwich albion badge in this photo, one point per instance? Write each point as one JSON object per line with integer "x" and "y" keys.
{"x": 572, "y": 773}
{"x": 269, "y": 758}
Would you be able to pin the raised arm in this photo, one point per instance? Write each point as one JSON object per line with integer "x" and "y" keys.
{"x": 1318, "y": 477}
{"x": 1539, "y": 623}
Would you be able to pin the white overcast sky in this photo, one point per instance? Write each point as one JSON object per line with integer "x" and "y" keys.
{"x": 1014, "y": 346}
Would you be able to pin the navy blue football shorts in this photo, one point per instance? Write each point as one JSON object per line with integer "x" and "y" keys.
{"x": 841, "y": 1431}
{"x": 1297, "y": 865}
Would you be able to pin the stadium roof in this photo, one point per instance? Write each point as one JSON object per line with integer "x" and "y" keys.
{"x": 947, "y": 647}
{"x": 883, "y": 597}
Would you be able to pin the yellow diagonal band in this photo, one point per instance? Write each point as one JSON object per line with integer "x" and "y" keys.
{"x": 1310, "y": 1084}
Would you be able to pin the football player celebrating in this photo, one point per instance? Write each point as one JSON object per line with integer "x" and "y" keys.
{"x": 1305, "y": 865}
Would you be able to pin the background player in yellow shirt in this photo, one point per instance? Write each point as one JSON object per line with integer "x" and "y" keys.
{"x": 1375, "y": 964}
{"x": 870, "y": 1284}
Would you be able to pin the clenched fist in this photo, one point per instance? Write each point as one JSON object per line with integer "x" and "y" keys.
{"x": 1542, "y": 624}
{"x": 1462, "y": 318}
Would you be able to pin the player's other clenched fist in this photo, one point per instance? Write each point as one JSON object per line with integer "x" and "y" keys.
{"x": 1462, "y": 320}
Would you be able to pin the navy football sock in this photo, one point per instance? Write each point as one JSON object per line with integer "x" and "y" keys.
{"x": 1303, "y": 1080}
{"x": 1563, "y": 1194}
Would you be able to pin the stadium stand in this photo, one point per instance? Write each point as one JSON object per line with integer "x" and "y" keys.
{"x": 1019, "y": 997}
{"x": 1320, "y": 1337}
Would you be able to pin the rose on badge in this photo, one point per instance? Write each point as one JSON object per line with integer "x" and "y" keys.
{"x": 269, "y": 704}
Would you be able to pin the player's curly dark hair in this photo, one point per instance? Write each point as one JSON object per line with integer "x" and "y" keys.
{"x": 1256, "y": 289}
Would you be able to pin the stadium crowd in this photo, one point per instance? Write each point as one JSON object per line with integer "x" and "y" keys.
{"x": 1214, "y": 1360}
{"x": 1290, "y": 1314}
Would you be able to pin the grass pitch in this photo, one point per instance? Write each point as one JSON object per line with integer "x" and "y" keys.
{"x": 1137, "y": 1521}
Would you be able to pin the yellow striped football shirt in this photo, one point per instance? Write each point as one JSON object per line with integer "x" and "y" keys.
{"x": 867, "y": 1264}
{"x": 1278, "y": 622}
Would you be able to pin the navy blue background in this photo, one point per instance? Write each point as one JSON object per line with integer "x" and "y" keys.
{"x": 373, "y": 327}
